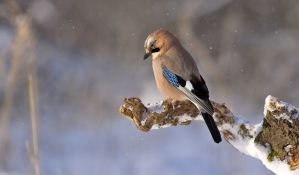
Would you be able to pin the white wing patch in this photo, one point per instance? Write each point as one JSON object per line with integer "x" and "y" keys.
{"x": 189, "y": 86}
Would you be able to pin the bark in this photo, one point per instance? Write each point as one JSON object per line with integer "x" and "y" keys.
{"x": 274, "y": 140}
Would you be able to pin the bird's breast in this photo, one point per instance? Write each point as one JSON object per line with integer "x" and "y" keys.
{"x": 167, "y": 90}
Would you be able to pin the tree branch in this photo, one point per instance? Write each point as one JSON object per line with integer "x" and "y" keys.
{"x": 274, "y": 141}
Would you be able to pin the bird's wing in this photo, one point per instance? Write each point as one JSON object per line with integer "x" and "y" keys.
{"x": 194, "y": 88}
{"x": 197, "y": 92}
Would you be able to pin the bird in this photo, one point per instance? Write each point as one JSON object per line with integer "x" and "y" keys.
{"x": 177, "y": 76}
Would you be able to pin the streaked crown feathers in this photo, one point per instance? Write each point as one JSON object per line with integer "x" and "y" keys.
{"x": 160, "y": 39}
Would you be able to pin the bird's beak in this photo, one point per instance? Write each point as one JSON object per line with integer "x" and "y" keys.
{"x": 146, "y": 55}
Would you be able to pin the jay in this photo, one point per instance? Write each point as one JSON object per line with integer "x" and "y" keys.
{"x": 177, "y": 76}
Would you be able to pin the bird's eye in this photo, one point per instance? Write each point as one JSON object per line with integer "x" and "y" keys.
{"x": 155, "y": 50}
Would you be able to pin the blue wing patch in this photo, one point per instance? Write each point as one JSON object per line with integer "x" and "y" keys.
{"x": 171, "y": 77}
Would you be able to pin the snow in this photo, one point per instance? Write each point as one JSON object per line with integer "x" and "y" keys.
{"x": 158, "y": 107}
{"x": 270, "y": 100}
{"x": 185, "y": 118}
{"x": 249, "y": 147}
{"x": 246, "y": 145}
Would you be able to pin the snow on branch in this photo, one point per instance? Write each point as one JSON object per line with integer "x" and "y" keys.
{"x": 274, "y": 141}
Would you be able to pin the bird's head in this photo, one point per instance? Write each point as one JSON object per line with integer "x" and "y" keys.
{"x": 158, "y": 42}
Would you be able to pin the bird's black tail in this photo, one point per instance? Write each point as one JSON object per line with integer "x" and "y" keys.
{"x": 212, "y": 127}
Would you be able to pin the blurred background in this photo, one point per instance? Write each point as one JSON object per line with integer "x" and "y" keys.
{"x": 65, "y": 67}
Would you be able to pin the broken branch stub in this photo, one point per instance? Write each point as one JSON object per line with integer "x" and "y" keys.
{"x": 276, "y": 138}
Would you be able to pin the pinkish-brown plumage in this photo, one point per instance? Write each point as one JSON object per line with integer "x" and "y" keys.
{"x": 175, "y": 58}
{"x": 183, "y": 82}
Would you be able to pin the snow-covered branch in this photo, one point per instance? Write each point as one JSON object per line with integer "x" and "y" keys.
{"x": 274, "y": 141}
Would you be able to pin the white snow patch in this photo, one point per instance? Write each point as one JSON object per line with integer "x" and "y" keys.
{"x": 249, "y": 147}
{"x": 156, "y": 126}
{"x": 288, "y": 148}
{"x": 185, "y": 118}
{"x": 270, "y": 100}
{"x": 158, "y": 107}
